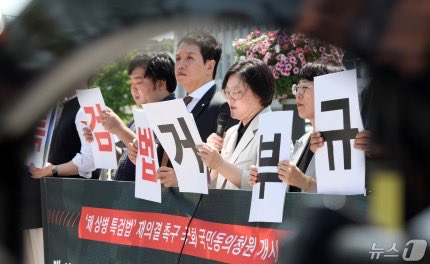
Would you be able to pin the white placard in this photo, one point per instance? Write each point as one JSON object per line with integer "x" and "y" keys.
{"x": 103, "y": 146}
{"x": 147, "y": 186}
{"x": 42, "y": 140}
{"x": 340, "y": 168}
{"x": 166, "y": 119}
{"x": 274, "y": 133}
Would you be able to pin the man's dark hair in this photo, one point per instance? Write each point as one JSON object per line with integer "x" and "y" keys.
{"x": 257, "y": 75}
{"x": 158, "y": 66}
{"x": 209, "y": 46}
{"x": 322, "y": 66}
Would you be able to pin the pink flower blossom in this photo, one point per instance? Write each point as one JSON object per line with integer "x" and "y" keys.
{"x": 276, "y": 75}
{"x": 296, "y": 70}
{"x": 288, "y": 67}
{"x": 293, "y": 60}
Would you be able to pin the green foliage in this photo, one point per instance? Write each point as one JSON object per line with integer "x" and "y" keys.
{"x": 113, "y": 82}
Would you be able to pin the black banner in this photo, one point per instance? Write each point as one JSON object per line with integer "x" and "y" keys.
{"x": 90, "y": 221}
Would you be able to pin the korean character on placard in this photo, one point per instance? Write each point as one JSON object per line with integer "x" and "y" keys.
{"x": 95, "y": 117}
{"x": 228, "y": 242}
{"x": 209, "y": 238}
{"x": 157, "y": 231}
{"x": 166, "y": 231}
{"x": 148, "y": 229}
{"x": 202, "y": 237}
{"x": 250, "y": 247}
{"x": 376, "y": 252}
{"x": 175, "y": 233}
{"x": 121, "y": 227}
{"x": 141, "y": 228}
{"x": 113, "y": 225}
{"x": 98, "y": 224}
{"x": 129, "y": 224}
{"x": 103, "y": 138}
{"x": 90, "y": 221}
{"x": 40, "y": 133}
{"x": 238, "y": 246}
{"x": 146, "y": 150}
{"x": 264, "y": 249}
{"x": 392, "y": 249}
{"x": 192, "y": 237}
{"x": 218, "y": 241}
{"x": 105, "y": 224}
{"x": 274, "y": 250}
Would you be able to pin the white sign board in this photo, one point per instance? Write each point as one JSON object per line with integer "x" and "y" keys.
{"x": 42, "y": 140}
{"x": 268, "y": 194}
{"x": 103, "y": 146}
{"x": 147, "y": 186}
{"x": 178, "y": 134}
{"x": 340, "y": 168}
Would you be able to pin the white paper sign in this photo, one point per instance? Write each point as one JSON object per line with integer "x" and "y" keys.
{"x": 147, "y": 186}
{"x": 268, "y": 196}
{"x": 178, "y": 135}
{"x": 42, "y": 140}
{"x": 340, "y": 168}
{"x": 103, "y": 146}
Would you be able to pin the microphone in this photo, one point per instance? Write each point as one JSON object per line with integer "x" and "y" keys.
{"x": 221, "y": 124}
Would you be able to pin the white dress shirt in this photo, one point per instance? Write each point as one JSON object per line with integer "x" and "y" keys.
{"x": 198, "y": 94}
{"x": 84, "y": 159}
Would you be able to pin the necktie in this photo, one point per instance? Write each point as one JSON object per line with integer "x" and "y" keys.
{"x": 165, "y": 159}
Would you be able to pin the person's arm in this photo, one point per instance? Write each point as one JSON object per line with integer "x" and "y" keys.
{"x": 114, "y": 124}
{"x": 65, "y": 169}
{"x": 293, "y": 176}
{"x": 83, "y": 160}
{"x": 213, "y": 160}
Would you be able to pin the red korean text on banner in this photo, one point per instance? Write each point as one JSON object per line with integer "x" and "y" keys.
{"x": 209, "y": 240}
{"x": 146, "y": 151}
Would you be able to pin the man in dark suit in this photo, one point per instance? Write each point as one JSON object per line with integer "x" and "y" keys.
{"x": 197, "y": 59}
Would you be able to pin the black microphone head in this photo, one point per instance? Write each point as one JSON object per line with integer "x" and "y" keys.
{"x": 222, "y": 118}
{"x": 221, "y": 123}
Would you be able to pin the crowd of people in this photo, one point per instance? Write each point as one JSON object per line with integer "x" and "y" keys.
{"x": 247, "y": 92}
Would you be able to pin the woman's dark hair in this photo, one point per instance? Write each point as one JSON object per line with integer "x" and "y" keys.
{"x": 158, "y": 66}
{"x": 323, "y": 66}
{"x": 257, "y": 75}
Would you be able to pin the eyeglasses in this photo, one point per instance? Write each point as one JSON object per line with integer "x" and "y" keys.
{"x": 235, "y": 95}
{"x": 299, "y": 89}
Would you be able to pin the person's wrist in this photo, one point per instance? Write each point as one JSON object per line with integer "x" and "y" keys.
{"x": 219, "y": 164}
{"x": 307, "y": 187}
{"x": 53, "y": 170}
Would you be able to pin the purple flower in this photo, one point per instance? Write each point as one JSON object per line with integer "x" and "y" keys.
{"x": 296, "y": 70}
{"x": 322, "y": 49}
{"x": 279, "y": 66}
{"x": 288, "y": 67}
